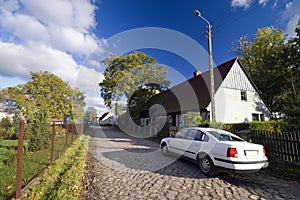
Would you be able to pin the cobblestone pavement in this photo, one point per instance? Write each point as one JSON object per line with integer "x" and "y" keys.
{"x": 125, "y": 167}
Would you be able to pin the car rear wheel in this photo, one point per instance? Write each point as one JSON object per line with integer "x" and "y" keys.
{"x": 206, "y": 166}
{"x": 164, "y": 149}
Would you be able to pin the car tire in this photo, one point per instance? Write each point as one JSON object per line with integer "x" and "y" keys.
{"x": 164, "y": 149}
{"x": 206, "y": 166}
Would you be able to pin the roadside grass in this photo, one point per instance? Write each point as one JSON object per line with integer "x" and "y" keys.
{"x": 33, "y": 164}
{"x": 63, "y": 180}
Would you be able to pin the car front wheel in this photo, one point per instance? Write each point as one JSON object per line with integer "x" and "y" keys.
{"x": 164, "y": 150}
{"x": 206, "y": 166}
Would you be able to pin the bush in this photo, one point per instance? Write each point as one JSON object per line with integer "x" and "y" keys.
{"x": 40, "y": 139}
{"x": 63, "y": 180}
{"x": 7, "y": 156}
{"x": 5, "y": 125}
{"x": 270, "y": 126}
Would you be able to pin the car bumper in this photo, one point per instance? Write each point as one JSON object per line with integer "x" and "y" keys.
{"x": 242, "y": 165}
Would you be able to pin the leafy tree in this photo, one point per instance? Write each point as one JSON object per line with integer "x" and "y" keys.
{"x": 292, "y": 96}
{"x": 265, "y": 58}
{"x": 45, "y": 89}
{"x": 117, "y": 108}
{"x": 137, "y": 76}
{"x": 90, "y": 115}
{"x": 78, "y": 104}
{"x": 192, "y": 118}
{"x": 43, "y": 97}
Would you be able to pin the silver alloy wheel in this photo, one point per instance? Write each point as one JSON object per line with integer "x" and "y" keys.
{"x": 205, "y": 165}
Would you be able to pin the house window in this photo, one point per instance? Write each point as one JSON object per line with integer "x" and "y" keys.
{"x": 255, "y": 117}
{"x": 262, "y": 117}
{"x": 243, "y": 95}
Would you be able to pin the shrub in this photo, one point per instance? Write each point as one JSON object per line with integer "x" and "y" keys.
{"x": 270, "y": 126}
{"x": 63, "y": 180}
{"x": 41, "y": 132}
{"x": 5, "y": 125}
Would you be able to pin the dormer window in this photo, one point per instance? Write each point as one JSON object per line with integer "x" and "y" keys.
{"x": 243, "y": 95}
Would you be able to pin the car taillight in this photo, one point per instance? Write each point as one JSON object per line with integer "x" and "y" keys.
{"x": 232, "y": 152}
{"x": 264, "y": 151}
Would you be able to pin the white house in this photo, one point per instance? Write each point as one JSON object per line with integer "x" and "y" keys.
{"x": 107, "y": 119}
{"x": 237, "y": 99}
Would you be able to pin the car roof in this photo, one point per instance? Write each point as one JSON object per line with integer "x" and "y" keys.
{"x": 205, "y": 129}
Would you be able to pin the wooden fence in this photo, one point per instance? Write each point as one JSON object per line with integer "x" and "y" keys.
{"x": 279, "y": 146}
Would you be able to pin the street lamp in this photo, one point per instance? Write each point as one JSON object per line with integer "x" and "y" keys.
{"x": 211, "y": 70}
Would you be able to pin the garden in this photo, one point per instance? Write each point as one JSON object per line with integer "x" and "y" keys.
{"x": 34, "y": 162}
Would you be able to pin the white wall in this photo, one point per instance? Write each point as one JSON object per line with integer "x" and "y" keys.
{"x": 231, "y": 109}
{"x": 228, "y": 104}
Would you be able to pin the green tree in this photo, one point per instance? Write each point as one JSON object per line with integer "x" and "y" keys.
{"x": 78, "y": 104}
{"x": 43, "y": 97}
{"x": 292, "y": 96}
{"x": 90, "y": 115}
{"x": 137, "y": 76}
{"x": 192, "y": 118}
{"x": 45, "y": 89}
{"x": 266, "y": 60}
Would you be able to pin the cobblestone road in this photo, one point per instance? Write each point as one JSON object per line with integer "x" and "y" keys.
{"x": 125, "y": 167}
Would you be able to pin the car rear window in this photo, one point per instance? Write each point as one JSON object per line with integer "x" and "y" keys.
{"x": 221, "y": 136}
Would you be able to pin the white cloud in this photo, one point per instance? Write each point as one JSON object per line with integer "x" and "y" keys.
{"x": 9, "y": 5}
{"x": 67, "y": 29}
{"x": 18, "y": 60}
{"x": 78, "y": 14}
{"x": 291, "y": 16}
{"x": 88, "y": 79}
{"x": 22, "y": 26}
{"x": 241, "y": 3}
{"x": 246, "y": 3}
{"x": 49, "y": 36}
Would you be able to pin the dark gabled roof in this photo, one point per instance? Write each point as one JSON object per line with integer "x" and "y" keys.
{"x": 193, "y": 94}
{"x": 103, "y": 116}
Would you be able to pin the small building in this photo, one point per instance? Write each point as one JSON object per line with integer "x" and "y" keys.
{"x": 107, "y": 119}
{"x": 237, "y": 99}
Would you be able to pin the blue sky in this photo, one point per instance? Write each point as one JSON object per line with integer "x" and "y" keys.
{"x": 69, "y": 38}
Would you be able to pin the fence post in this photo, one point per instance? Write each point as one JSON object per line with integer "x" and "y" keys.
{"x": 19, "y": 160}
{"x": 67, "y": 136}
{"x": 52, "y": 143}
{"x": 73, "y": 132}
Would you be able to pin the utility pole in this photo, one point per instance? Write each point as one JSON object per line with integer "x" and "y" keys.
{"x": 211, "y": 68}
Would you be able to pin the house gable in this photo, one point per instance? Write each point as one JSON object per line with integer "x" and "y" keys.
{"x": 238, "y": 99}
{"x": 237, "y": 79}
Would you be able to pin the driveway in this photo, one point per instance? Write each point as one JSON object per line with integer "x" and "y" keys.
{"x": 121, "y": 166}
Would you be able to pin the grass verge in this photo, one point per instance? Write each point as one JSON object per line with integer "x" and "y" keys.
{"x": 63, "y": 180}
{"x": 33, "y": 164}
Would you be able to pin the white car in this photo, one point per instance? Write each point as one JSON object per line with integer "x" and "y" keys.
{"x": 216, "y": 150}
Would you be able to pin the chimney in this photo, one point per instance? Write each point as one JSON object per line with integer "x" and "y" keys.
{"x": 197, "y": 73}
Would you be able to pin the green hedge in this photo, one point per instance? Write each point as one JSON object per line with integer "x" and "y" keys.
{"x": 270, "y": 126}
{"x": 63, "y": 180}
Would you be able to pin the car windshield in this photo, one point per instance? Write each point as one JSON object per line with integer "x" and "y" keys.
{"x": 223, "y": 136}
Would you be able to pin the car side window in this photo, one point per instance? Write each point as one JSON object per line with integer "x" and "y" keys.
{"x": 191, "y": 134}
{"x": 194, "y": 135}
{"x": 205, "y": 138}
{"x": 182, "y": 134}
{"x": 200, "y": 136}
